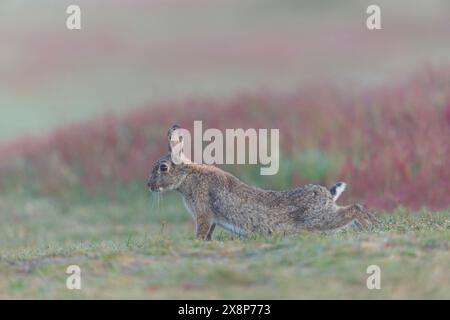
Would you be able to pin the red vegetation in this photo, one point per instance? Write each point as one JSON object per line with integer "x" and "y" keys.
{"x": 393, "y": 142}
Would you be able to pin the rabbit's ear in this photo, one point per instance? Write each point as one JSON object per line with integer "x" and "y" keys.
{"x": 174, "y": 136}
{"x": 176, "y": 144}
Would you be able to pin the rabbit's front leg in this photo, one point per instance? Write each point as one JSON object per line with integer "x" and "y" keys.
{"x": 210, "y": 232}
{"x": 205, "y": 227}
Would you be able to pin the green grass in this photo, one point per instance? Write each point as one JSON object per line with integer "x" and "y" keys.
{"x": 139, "y": 249}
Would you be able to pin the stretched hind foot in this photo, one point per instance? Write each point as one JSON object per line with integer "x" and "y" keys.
{"x": 363, "y": 218}
{"x": 369, "y": 216}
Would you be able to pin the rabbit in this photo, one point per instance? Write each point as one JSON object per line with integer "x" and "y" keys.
{"x": 215, "y": 197}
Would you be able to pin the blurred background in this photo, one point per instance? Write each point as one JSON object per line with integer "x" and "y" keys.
{"x": 79, "y": 108}
{"x": 135, "y": 52}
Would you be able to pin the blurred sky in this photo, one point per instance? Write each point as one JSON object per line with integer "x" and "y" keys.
{"x": 132, "y": 52}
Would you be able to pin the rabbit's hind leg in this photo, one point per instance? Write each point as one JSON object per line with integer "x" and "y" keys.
{"x": 367, "y": 215}
{"x": 339, "y": 218}
{"x": 358, "y": 213}
{"x": 348, "y": 214}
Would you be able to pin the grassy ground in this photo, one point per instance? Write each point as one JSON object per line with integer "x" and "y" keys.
{"x": 145, "y": 249}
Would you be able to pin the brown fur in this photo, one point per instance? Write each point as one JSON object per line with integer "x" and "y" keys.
{"x": 215, "y": 197}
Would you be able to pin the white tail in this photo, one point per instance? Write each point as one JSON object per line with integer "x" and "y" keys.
{"x": 337, "y": 190}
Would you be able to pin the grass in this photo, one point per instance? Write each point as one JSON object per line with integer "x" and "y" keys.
{"x": 139, "y": 249}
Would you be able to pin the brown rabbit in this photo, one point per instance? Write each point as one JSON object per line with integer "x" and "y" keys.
{"x": 215, "y": 197}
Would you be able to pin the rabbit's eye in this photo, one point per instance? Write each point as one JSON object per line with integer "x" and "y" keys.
{"x": 163, "y": 167}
